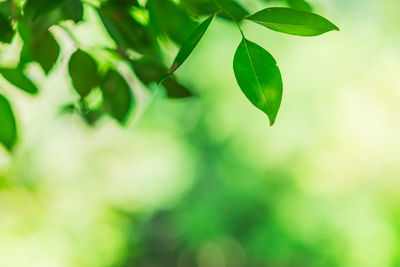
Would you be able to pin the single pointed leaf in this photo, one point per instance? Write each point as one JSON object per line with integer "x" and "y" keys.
{"x": 83, "y": 72}
{"x": 259, "y": 77}
{"x": 117, "y": 96}
{"x": 18, "y": 78}
{"x": 292, "y": 21}
{"x": 6, "y": 31}
{"x": 190, "y": 44}
{"x": 45, "y": 50}
{"x": 8, "y": 126}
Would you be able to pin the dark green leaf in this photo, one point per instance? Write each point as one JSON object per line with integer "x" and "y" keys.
{"x": 126, "y": 32}
{"x": 233, "y": 9}
{"x": 207, "y": 7}
{"x": 18, "y": 78}
{"x": 36, "y": 8}
{"x": 190, "y": 44}
{"x": 175, "y": 89}
{"x": 168, "y": 18}
{"x": 45, "y": 50}
{"x": 8, "y": 127}
{"x": 259, "y": 77}
{"x": 117, "y": 96}
{"x": 291, "y": 21}
{"x": 150, "y": 70}
{"x": 72, "y": 9}
{"x": 6, "y": 31}
{"x": 83, "y": 72}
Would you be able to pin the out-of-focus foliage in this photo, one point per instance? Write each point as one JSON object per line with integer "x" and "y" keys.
{"x": 203, "y": 181}
{"x": 137, "y": 32}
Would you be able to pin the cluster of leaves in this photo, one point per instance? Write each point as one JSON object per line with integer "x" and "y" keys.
{"x": 137, "y": 28}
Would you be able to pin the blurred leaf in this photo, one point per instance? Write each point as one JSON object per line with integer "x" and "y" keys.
{"x": 5, "y": 9}
{"x": 123, "y": 3}
{"x": 126, "y": 32}
{"x": 36, "y": 8}
{"x": 234, "y": 9}
{"x": 83, "y": 72}
{"x": 117, "y": 96}
{"x": 299, "y": 4}
{"x": 6, "y": 31}
{"x": 168, "y": 18}
{"x": 175, "y": 89}
{"x": 8, "y": 128}
{"x": 190, "y": 44}
{"x": 207, "y": 7}
{"x": 291, "y": 21}
{"x": 44, "y": 49}
{"x": 150, "y": 70}
{"x": 72, "y": 9}
{"x": 259, "y": 77}
{"x": 18, "y": 79}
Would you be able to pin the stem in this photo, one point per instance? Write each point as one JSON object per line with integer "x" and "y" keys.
{"x": 230, "y": 15}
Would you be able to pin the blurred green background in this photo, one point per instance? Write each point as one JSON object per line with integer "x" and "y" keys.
{"x": 206, "y": 182}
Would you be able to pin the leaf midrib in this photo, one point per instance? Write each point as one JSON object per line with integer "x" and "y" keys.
{"x": 258, "y": 81}
{"x": 289, "y": 24}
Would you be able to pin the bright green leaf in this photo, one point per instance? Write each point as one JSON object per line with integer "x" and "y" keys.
{"x": 8, "y": 127}
{"x": 190, "y": 44}
{"x": 117, "y": 96}
{"x": 292, "y": 21}
{"x": 83, "y": 72}
{"x": 259, "y": 77}
{"x": 18, "y": 78}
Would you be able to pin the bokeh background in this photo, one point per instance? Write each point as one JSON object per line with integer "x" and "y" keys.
{"x": 206, "y": 182}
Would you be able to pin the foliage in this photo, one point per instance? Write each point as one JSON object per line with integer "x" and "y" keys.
{"x": 137, "y": 28}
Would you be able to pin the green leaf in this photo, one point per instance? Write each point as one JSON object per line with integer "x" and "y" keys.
{"x": 190, "y": 44}
{"x": 36, "y": 8}
{"x": 176, "y": 90}
{"x": 207, "y": 7}
{"x": 8, "y": 127}
{"x": 292, "y": 21}
{"x": 117, "y": 96}
{"x": 73, "y": 9}
{"x": 150, "y": 70}
{"x": 6, "y": 31}
{"x": 83, "y": 72}
{"x": 125, "y": 31}
{"x": 168, "y": 18}
{"x": 259, "y": 77}
{"x": 299, "y": 4}
{"x": 234, "y": 9}
{"x": 18, "y": 78}
{"x": 44, "y": 49}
